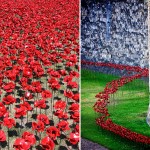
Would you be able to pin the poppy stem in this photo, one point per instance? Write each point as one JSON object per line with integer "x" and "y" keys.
{"x": 46, "y": 81}
{"x": 67, "y": 103}
{"x": 10, "y": 107}
{"x": 36, "y": 110}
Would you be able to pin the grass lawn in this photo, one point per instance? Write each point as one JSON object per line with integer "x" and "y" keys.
{"x": 128, "y": 107}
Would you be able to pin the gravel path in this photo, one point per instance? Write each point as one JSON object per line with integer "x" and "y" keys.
{"x": 88, "y": 145}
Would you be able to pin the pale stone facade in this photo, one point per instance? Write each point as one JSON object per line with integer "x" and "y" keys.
{"x": 128, "y": 33}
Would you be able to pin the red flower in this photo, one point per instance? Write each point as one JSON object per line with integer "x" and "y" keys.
{"x": 20, "y": 112}
{"x": 61, "y": 115}
{"x": 72, "y": 84}
{"x": 76, "y": 97}
{"x": 9, "y": 100}
{"x": 43, "y": 118}
{"x": 39, "y": 126}
{"x": 75, "y": 116}
{"x": 68, "y": 94}
{"x": 46, "y": 62}
{"x": 55, "y": 74}
{"x": 53, "y": 132}
{"x": 46, "y": 94}
{"x": 3, "y": 110}
{"x": 27, "y": 72}
{"x": 74, "y": 138}
{"x": 27, "y": 106}
{"x": 36, "y": 87}
{"x": 9, "y": 122}
{"x": 55, "y": 85}
{"x": 77, "y": 128}
{"x": 74, "y": 107}
{"x": 23, "y": 81}
{"x": 68, "y": 78}
{"x": 72, "y": 58}
{"x": 60, "y": 105}
{"x": 21, "y": 144}
{"x": 9, "y": 87}
{"x": 47, "y": 144}
{"x": 74, "y": 74}
{"x": 2, "y": 136}
{"x": 49, "y": 70}
{"x": 63, "y": 72}
{"x": 11, "y": 74}
{"x": 40, "y": 104}
{"x": 28, "y": 95}
{"x": 63, "y": 125}
{"x": 29, "y": 138}
{"x": 39, "y": 71}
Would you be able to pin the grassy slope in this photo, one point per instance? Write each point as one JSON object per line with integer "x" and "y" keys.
{"x": 128, "y": 110}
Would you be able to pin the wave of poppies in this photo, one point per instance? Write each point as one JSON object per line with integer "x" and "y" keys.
{"x": 103, "y": 99}
{"x": 39, "y": 107}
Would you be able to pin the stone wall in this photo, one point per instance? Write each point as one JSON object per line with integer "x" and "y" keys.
{"x": 127, "y": 39}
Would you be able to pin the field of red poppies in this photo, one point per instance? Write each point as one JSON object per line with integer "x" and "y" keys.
{"x": 39, "y": 71}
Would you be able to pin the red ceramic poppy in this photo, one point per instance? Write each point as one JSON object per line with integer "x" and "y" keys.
{"x": 28, "y": 95}
{"x": 39, "y": 126}
{"x": 46, "y": 94}
{"x": 77, "y": 128}
{"x": 76, "y": 97}
{"x": 75, "y": 116}
{"x": 21, "y": 144}
{"x": 36, "y": 87}
{"x": 43, "y": 118}
{"x": 74, "y": 107}
{"x": 9, "y": 87}
{"x": 55, "y": 85}
{"x": 68, "y": 78}
{"x": 74, "y": 138}
{"x": 11, "y": 74}
{"x": 9, "y": 100}
{"x": 53, "y": 132}
{"x": 40, "y": 104}
{"x": 26, "y": 105}
{"x": 2, "y": 136}
{"x": 9, "y": 122}
{"x": 20, "y": 112}
{"x": 27, "y": 72}
{"x": 39, "y": 71}
{"x": 72, "y": 84}
{"x": 47, "y": 143}
{"x": 63, "y": 126}
{"x": 55, "y": 74}
{"x": 3, "y": 110}
{"x": 29, "y": 138}
{"x": 60, "y": 105}
{"x": 68, "y": 94}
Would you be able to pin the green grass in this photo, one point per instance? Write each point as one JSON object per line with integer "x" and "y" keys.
{"x": 128, "y": 108}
